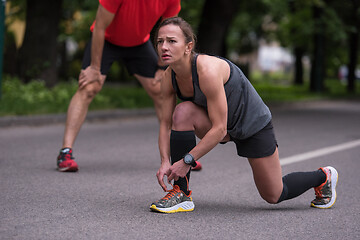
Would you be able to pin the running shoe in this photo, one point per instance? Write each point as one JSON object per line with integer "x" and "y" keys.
{"x": 326, "y": 192}
{"x": 66, "y": 162}
{"x": 175, "y": 201}
{"x": 198, "y": 167}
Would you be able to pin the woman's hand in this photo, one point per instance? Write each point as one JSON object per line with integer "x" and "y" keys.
{"x": 163, "y": 170}
{"x": 178, "y": 170}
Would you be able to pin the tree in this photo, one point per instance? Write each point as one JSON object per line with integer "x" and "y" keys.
{"x": 353, "y": 44}
{"x": 294, "y": 21}
{"x": 215, "y": 22}
{"x": 298, "y": 49}
{"x": 38, "y": 53}
{"x": 317, "y": 63}
{"x": 329, "y": 34}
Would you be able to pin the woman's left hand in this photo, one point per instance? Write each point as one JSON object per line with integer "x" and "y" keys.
{"x": 177, "y": 170}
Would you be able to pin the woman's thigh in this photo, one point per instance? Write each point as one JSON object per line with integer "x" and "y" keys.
{"x": 268, "y": 177}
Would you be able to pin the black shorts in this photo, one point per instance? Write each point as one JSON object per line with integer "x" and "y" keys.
{"x": 141, "y": 60}
{"x": 261, "y": 144}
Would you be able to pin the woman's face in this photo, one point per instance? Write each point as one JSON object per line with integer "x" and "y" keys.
{"x": 171, "y": 44}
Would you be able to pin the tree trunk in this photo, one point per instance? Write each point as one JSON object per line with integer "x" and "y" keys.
{"x": 38, "y": 54}
{"x": 213, "y": 28}
{"x": 353, "y": 48}
{"x": 298, "y": 51}
{"x": 299, "y": 70}
{"x": 9, "y": 62}
{"x": 317, "y": 65}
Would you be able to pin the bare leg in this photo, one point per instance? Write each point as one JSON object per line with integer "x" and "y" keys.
{"x": 187, "y": 116}
{"x": 77, "y": 111}
{"x": 268, "y": 176}
{"x": 152, "y": 87}
{"x": 190, "y": 117}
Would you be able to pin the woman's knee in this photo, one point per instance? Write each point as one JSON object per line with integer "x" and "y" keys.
{"x": 272, "y": 198}
{"x": 183, "y": 114}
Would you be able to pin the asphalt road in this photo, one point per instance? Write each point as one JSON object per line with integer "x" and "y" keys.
{"x": 109, "y": 197}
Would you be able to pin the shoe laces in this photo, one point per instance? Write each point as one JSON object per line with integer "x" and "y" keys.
{"x": 175, "y": 190}
{"x": 319, "y": 190}
{"x": 66, "y": 156}
{"x": 172, "y": 192}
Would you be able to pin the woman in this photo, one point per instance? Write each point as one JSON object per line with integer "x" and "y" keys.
{"x": 219, "y": 105}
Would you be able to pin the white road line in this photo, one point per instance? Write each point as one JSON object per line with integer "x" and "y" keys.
{"x": 319, "y": 152}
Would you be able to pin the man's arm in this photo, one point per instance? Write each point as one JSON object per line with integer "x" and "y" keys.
{"x": 103, "y": 20}
{"x": 92, "y": 73}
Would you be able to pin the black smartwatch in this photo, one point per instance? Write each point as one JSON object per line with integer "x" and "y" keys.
{"x": 189, "y": 160}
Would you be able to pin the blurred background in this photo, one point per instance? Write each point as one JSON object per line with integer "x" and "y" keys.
{"x": 287, "y": 48}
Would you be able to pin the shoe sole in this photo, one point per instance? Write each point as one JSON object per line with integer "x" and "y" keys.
{"x": 334, "y": 179}
{"x": 68, "y": 169}
{"x": 186, "y": 206}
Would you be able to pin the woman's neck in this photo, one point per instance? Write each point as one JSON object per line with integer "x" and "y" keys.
{"x": 182, "y": 68}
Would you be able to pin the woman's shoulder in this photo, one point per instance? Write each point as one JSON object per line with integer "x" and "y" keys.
{"x": 207, "y": 64}
{"x": 209, "y": 60}
{"x": 205, "y": 58}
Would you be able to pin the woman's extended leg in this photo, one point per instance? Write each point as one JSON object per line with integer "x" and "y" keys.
{"x": 268, "y": 177}
{"x": 274, "y": 189}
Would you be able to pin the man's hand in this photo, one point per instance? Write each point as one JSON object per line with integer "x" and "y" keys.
{"x": 89, "y": 75}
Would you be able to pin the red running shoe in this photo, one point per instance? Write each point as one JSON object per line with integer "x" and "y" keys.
{"x": 66, "y": 162}
{"x": 198, "y": 167}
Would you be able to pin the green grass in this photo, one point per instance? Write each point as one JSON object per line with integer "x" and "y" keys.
{"x": 35, "y": 98}
{"x": 278, "y": 88}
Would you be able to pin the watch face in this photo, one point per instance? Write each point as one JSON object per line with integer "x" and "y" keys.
{"x": 187, "y": 159}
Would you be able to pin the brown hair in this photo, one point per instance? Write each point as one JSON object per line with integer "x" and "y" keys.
{"x": 185, "y": 28}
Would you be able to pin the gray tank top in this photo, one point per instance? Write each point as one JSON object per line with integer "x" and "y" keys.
{"x": 247, "y": 113}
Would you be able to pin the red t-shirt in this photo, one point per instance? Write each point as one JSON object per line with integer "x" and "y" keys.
{"x": 134, "y": 19}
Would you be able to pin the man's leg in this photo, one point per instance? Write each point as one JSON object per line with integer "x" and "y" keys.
{"x": 152, "y": 87}
{"x": 77, "y": 111}
{"x": 76, "y": 115}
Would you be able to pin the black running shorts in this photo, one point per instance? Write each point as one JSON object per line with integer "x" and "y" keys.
{"x": 141, "y": 60}
{"x": 261, "y": 144}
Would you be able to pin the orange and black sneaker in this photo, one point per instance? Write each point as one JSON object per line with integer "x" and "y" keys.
{"x": 66, "y": 162}
{"x": 175, "y": 201}
{"x": 326, "y": 192}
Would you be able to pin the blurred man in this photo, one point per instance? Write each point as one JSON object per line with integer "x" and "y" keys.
{"x": 121, "y": 31}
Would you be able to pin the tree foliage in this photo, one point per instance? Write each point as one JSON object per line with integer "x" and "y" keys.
{"x": 330, "y": 38}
